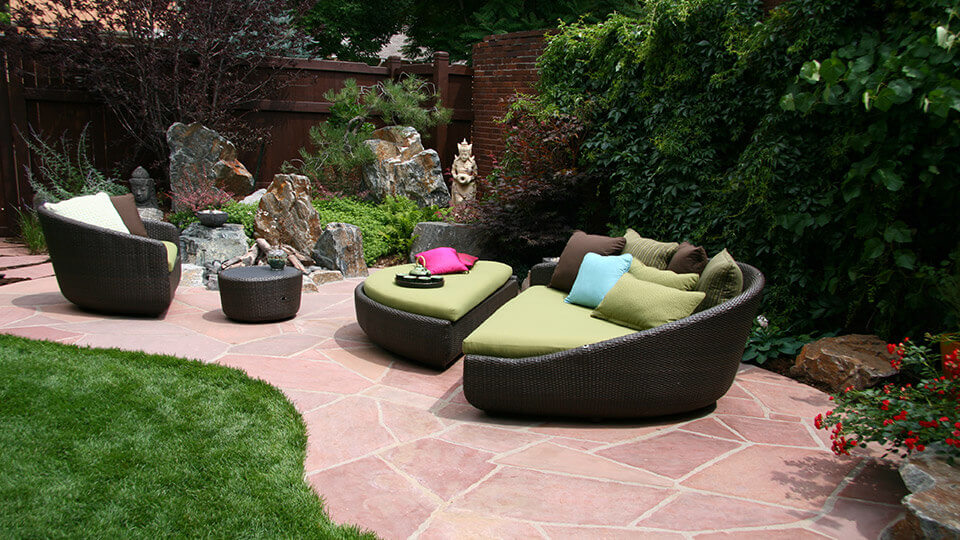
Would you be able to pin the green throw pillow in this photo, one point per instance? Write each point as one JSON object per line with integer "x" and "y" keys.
{"x": 642, "y": 305}
{"x": 649, "y": 252}
{"x": 684, "y": 282}
{"x": 721, "y": 280}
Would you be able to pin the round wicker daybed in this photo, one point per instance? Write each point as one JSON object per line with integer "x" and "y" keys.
{"x": 678, "y": 367}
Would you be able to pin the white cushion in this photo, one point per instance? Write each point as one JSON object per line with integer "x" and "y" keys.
{"x": 92, "y": 210}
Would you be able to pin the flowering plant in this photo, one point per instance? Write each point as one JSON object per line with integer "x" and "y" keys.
{"x": 198, "y": 191}
{"x": 917, "y": 415}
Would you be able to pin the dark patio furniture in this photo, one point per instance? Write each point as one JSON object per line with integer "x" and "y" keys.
{"x": 678, "y": 367}
{"x": 260, "y": 293}
{"x": 112, "y": 272}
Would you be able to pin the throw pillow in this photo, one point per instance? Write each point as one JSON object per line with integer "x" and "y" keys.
{"x": 649, "y": 252}
{"x": 580, "y": 244}
{"x": 442, "y": 260}
{"x": 597, "y": 275}
{"x": 126, "y": 206}
{"x": 467, "y": 260}
{"x": 642, "y": 305}
{"x": 684, "y": 282}
{"x": 721, "y": 280}
{"x": 90, "y": 209}
{"x": 688, "y": 259}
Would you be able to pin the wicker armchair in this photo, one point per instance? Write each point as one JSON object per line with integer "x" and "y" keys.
{"x": 678, "y": 367}
{"x": 112, "y": 272}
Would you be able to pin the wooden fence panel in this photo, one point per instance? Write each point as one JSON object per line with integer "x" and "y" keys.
{"x": 46, "y": 102}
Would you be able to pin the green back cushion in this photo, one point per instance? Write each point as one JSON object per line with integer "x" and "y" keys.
{"x": 649, "y": 252}
{"x": 642, "y": 305}
{"x": 171, "y": 254}
{"x": 721, "y": 280}
{"x": 92, "y": 210}
{"x": 538, "y": 322}
{"x": 460, "y": 292}
{"x": 684, "y": 282}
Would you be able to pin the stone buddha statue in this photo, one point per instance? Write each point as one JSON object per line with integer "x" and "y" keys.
{"x": 464, "y": 171}
{"x": 144, "y": 191}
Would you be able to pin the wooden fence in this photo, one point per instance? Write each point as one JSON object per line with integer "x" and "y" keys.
{"x": 29, "y": 99}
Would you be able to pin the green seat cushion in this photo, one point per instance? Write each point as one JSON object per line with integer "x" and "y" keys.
{"x": 460, "y": 292}
{"x": 171, "y": 254}
{"x": 538, "y": 322}
{"x": 649, "y": 251}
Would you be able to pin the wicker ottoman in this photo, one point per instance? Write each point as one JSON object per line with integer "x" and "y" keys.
{"x": 429, "y": 340}
{"x": 259, "y": 293}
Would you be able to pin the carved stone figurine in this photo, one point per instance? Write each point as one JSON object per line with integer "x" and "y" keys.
{"x": 464, "y": 170}
{"x": 145, "y": 194}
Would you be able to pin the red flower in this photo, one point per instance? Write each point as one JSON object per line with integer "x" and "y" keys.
{"x": 901, "y": 416}
{"x": 885, "y": 405}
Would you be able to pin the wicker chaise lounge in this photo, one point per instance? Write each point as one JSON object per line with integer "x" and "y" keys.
{"x": 678, "y": 367}
{"x": 112, "y": 272}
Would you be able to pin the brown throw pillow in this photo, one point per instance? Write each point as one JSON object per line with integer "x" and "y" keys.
{"x": 689, "y": 259}
{"x": 127, "y": 208}
{"x": 579, "y": 245}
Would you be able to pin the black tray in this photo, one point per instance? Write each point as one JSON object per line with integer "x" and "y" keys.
{"x": 419, "y": 282}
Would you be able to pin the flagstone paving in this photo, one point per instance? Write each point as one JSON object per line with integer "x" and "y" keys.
{"x": 395, "y": 448}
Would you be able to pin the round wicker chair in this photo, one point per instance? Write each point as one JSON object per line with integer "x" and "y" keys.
{"x": 678, "y": 367}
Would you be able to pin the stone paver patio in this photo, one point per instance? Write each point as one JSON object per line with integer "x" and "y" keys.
{"x": 396, "y": 448}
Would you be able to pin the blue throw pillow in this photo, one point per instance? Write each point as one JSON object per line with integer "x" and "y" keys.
{"x": 598, "y": 274}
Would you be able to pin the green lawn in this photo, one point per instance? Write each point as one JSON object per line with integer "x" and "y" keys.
{"x": 108, "y": 443}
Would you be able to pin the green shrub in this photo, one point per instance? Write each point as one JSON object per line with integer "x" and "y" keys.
{"x": 386, "y": 227}
{"x": 841, "y": 206}
{"x": 244, "y": 214}
{"x": 183, "y": 218}
{"x": 30, "y": 231}
{"x": 56, "y": 175}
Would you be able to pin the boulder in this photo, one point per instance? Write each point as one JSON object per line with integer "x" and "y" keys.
{"x": 403, "y": 167}
{"x": 319, "y": 276}
{"x": 191, "y": 275}
{"x": 855, "y": 360}
{"x": 340, "y": 247}
{"x": 463, "y": 238}
{"x": 933, "y": 506}
{"x": 254, "y": 198}
{"x": 195, "y": 149}
{"x": 286, "y": 216}
{"x": 200, "y": 245}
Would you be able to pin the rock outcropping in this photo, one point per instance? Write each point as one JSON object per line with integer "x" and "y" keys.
{"x": 196, "y": 149}
{"x": 200, "y": 245}
{"x": 859, "y": 361}
{"x": 933, "y": 506}
{"x": 285, "y": 215}
{"x": 340, "y": 247}
{"x": 463, "y": 238}
{"x": 403, "y": 167}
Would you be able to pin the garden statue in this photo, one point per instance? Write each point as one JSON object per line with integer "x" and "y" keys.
{"x": 145, "y": 194}
{"x": 464, "y": 171}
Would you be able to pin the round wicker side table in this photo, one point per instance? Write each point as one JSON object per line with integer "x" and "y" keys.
{"x": 259, "y": 293}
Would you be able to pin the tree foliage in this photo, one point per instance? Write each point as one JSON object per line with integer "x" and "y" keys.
{"x": 354, "y": 30}
{"x": 339, "y": 152}
{"x": 155, "y": 63}
{"x": 838, "y": 178}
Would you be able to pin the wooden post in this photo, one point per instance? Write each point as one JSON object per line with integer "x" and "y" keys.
{"x": 441, "y": 79}
{"x": 393, "y": 67}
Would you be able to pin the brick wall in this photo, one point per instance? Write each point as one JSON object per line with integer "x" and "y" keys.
{"x": 503, "y": 65}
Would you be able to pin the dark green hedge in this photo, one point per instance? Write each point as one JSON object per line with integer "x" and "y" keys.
{"x": 713, "y": 124}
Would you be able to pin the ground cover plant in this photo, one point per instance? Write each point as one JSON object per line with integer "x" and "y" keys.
{"x": 819, "y": 142}
{"x": 122, "y": 444}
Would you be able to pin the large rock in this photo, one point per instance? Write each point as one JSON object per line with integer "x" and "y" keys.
{"x": 403, "y": 167}
{"x": 200, "y": 245}
{"x": 340, "y": 247}
{"x": 286, "y": 216}
{"x": 463, "y": 238}
{"x": 195, "y": 148}
{"x": 859, "y": 361}
{"x": 933, "y": 507}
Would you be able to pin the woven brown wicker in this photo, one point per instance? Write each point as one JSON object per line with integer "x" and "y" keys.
{"x": 113, "y": 272}
{"x": 434, "y": 342}
{"x": 260, "y": 293}
{"x": 678, "y": 367}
